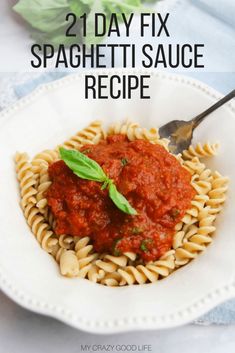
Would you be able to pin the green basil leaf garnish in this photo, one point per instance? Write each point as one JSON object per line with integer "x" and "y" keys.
{"x": 83, "y": 166}
{"x": 120, "y": 201}
{"x": 86, "y": 168}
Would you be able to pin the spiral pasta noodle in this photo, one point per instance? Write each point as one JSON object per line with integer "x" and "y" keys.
{"x": 76, "y": 256}
{"x": 69, "y": 265}
{"x": 36, "y": 221}
{"x": 219, "y": 187}
{"x": 44, "y": 158}
{"x": 26, "y": 179}
{"x": 91, "y": 135}
{"x": 44, "y": 183}
{"x": 150, "y": 272}
{"x": 134, "y": 132}
{"x": 201, "y": 151}
{"x": 85, "y": 255}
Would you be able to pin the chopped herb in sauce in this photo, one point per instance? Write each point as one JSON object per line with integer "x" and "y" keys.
{"x": 175, "y": 213}
{"x": 137, "y": 230}
{"x": 116, "y": 251}
{"x": 124, "y": 161}
{"x": 143, "y": 247}
{"x": 144, "y": 244}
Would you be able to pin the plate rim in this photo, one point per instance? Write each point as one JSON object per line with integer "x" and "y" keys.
{"x": 134, "y": 323}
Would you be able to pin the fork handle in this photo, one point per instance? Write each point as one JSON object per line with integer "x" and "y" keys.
{"x": 199, "y": 118}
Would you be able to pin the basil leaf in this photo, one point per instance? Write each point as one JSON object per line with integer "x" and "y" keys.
{"x": 120, "y": 201}
{"x": 96, "y": 7}
{"x": 79, "y": 7}
{"x": 55, "y": 38}
{"x": 83, "y": 166}
{"x": 46, "y": 15}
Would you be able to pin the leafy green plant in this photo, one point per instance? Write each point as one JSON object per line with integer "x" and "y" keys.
{"x": 48, "y": 17}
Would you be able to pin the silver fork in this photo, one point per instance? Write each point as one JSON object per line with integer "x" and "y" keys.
{"x": 180, "y": 132}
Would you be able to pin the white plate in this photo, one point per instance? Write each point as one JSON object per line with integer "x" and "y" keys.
{"x": 30, "y": 276}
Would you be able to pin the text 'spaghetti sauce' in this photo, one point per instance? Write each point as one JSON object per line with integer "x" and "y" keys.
{"x": 151, "y": 179}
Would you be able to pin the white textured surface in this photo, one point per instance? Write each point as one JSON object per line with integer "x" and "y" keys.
{"x": 23, "y": 331}
{"x": 180, "y": 298}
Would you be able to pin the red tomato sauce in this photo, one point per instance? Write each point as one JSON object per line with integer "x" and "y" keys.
{"x": 151, "y": 179}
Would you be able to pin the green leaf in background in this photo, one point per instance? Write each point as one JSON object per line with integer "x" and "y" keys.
{"x": 90, "y": 37}
{"x": 86, "y": 168}
{"x": 55, "y": 38}
{"x": 120, "y": 201}
{"x": 48, "y": 16}
{"x": 79, "y": 7}
{"x": 44, "y": 15}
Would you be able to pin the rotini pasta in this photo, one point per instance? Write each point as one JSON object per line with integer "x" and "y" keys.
{"x": 69, "y": 265}
{"x": 201, "y": 151}
{"x": 76, "y": 256}
{"x": 91, "y": 135}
